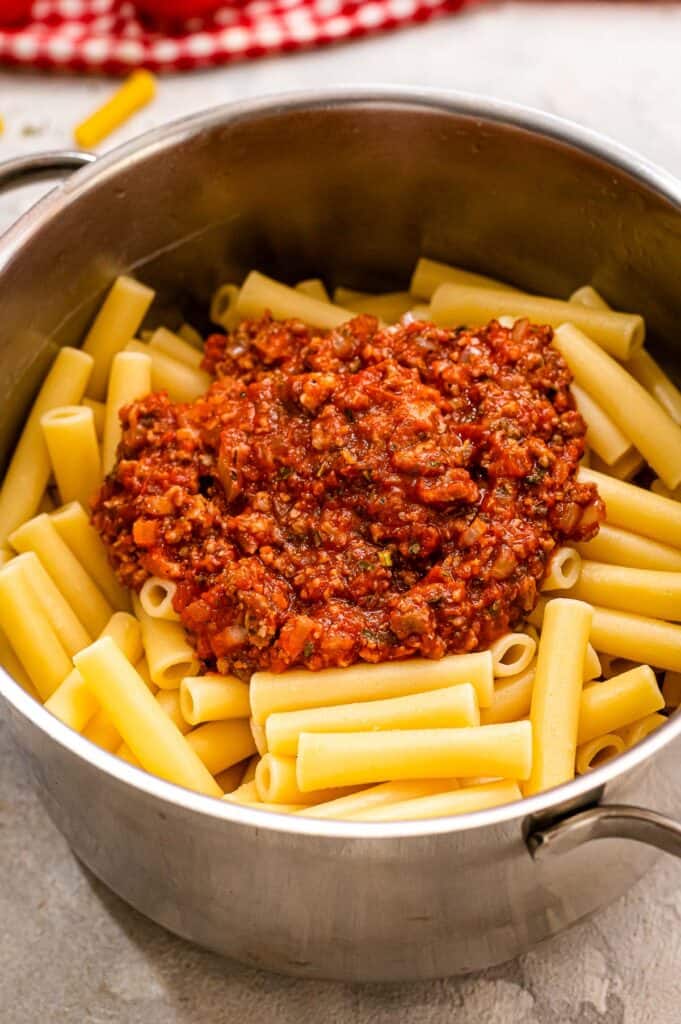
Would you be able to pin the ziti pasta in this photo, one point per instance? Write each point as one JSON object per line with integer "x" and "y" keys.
{"x": 333, "y": 521}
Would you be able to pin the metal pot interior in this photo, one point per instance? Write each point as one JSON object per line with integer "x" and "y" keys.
{"x": 352, "y": 187}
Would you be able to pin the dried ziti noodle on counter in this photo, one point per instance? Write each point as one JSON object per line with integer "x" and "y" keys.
{"x": 358, "y": 556}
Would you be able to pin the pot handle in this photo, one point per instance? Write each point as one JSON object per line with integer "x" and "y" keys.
{"x": 610, "y": 821}
{"x": 24, "y": 170}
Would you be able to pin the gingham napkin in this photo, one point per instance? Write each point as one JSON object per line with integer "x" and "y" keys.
{"x": 109, "y": 36}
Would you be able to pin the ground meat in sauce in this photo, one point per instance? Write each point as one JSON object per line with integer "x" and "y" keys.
{"x": 361, "y": 493}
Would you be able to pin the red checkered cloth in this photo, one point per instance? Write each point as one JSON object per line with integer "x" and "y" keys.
{"x": 109, "y": 36}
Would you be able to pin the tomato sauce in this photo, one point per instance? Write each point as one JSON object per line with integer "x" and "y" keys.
{"x": 362, "y": 493}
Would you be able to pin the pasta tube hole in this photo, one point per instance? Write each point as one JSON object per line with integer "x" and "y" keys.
{"x": 174, "y": 674}
{"x": 223, "y": 304}
{"x": 604, "y": 754}
{"x": 67, "y": 413}
{"x": 512, "y": 653}
{"x": 156, "y": 597}
{"x": 597, "y": 752}
{"x": 564, "y": 570}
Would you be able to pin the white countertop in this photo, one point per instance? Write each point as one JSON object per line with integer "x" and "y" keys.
{"x": 70, "y": 952}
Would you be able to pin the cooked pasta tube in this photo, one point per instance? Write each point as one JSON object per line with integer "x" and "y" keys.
{"x": 71, "y": 440}
{"x": 154, "y": 740}
{"x": 638, "y": 638}
{"x": 420, "y": 312}
{"x": 620, "y": 334}
{"x": 72, "y": 702}
{"x": 276, "y": 783}
{"x": 625, "y": 468}
{"x": 73, "y": 526}
{"x": 608, "y": 706}
{"x": 126, "y": 754}
{"x": 430, "y": 274}
{"x": 101, "y": 731}
{"x": 635, "y": 509}
{"x": 563, "y": 569}
{"x": 613, "y": 666}
{"x": 588, "y": 296}
{"x": 658, "y": 487}
{"x": 276, "y": 808}
{"x": 592, "y": 664}
{"x": 211, "y": 698}
{"x": 221, "y": 744}
{"x": 315, "y": 288}
{"x": 621, "y": 547}
{"x": 536, "y": 616}
{"x": 654, "y": 434}
{"x": 6, "y": 556}
{"x": 602, "y": 434}
{"x": 259, "y": 293}
{"x": 511, "y": 654}
{"x": 246, "y": 793}
{"x": 441, "y": 805}
{"x": 71, "y": 633}
{"x": 648, "y": 592}
{"x": 129, "y": 379}
{"x": 142, "y": 669}
{"x": 248, "y": 797}
{"x": 170, "y": 702}
{"x": 637, "y": 731}
{"x": 356, "y": 758}
{"x": 251, "y": 768}
{"x": 597, "y": 751}
{"x": 634, "y": 637}
{"x": 98, "y": 410}
{"x": 29, "y": 469}
{"x": 169, "y": 654}
{"x": 671, "y": 689}
{"x": 117, "y": 321}
{"x": 163, "y": 340}
{"x": 183, "y": 383}
{"x": 389, "y": 307}
{"x": 259, "y": 736}
{"x": 223, "y": 306}
{"x": 231, "y": 778}
{"x": 156, "y": 597}
{"x": 439, "y": 709}
{"x": 190, "y": 335}
{"x": 341, "y": 293}
{"x": 299, "y": 688}
{"x": 379, "y": 796}
{"x": 29, "y": 631}
{"x": 512, "y": 698}
{"x": 85, "y": 598}
{"x": 653, "y": 378}
{"x": 513, "y": 695}
{"x": 14, "y": 668}
{"x": 478, "y": 780}
{"x": 558, "y": 681}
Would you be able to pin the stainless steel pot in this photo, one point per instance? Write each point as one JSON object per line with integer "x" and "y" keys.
{"x": 352, "y": 186}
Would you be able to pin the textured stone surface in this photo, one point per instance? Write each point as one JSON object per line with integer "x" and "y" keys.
{"x": 72, "y": 953}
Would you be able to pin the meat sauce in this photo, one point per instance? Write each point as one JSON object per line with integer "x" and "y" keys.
{"x": 362, "y": 493}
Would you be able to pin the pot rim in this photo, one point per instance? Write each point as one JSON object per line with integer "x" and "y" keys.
{"x": 577, "y": 792}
